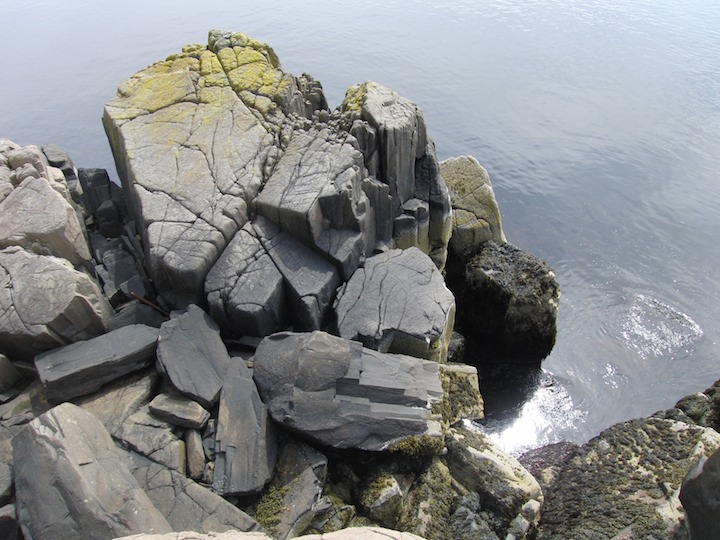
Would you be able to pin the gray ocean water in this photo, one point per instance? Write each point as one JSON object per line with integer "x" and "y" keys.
{"x": 599, "y": 122}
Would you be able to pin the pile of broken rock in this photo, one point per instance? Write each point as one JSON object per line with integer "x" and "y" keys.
{"x": 253, "y": 334}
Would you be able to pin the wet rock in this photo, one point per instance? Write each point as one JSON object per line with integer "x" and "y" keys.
{"x": 245, "y": 439}
{"x": 626, "y": 480}
{"x": 179, "y": 411}
{"x": 698, "y": 495}
{"x": 508, "y": 302}
{"x": 336, "y": 393}
{"x": 192, "y": 356}
{"x": 82, "y": 368}
{"x": 244, "y": 288}
{"x": 398, "y": 302}
{"x": 9, "y": 527}
{"x": 476, "y": 216}
{"x": 72, "y": 483}
{"x": 152, "y": 438}
{"x": 187, "y": 506}
{"x": 45, "y": 303}
{"x": 294, "y": 498}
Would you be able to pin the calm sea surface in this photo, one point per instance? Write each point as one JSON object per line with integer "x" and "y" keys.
{"x": 599, "y": 122}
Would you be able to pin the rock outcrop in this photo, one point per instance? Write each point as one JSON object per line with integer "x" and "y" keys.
{"x": 698, "y": 495}
{"x": 337, "y": 393}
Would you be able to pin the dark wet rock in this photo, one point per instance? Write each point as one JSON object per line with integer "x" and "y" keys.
{"x": 9, "y": 377}
{"x": 45, "y": 303}
{"x": 244, "y": 288}
{"x": 310, "y": 281}
{"x": 456, "y": 348}
{"x": 119, "y": 273}
{"x": 398, "y": 302}
{"x": 71, "y": 482}
{"x": 152, "y": 438}
{"x": 136, "y": 312}
{"x": 192, "y": 356}
{"x": 9, "y": 527}
{"x": 186, "y": 505}
{"x": 295, "y": 496}
{"x": 508, "y": 302}
{"x": 245, "y": 438}
{"x": 195, "y": 455}
{"x": 99, "y": 189}
{"x": 179, "y": 411}
{"x": 115, "y": 402}
{"x": 336, "y": 393}
{"x": 698, "y": 495}
{"x": 626, "y": 480}
{"x": 6, "y": 483}
{"x": 476, "y": 216}
{"x": 82, "y": 368}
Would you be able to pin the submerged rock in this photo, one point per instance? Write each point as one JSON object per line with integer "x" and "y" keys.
{"x": 335, "y": 392}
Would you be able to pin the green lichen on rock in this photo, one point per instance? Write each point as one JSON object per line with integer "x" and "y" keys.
{"x": 270, "y": 507}
{"x": 627, "y": 478}
{"x": 355, "y": 97}
{"x": 428, "y": 505}
{"x": 462, "y": 398}
{"x": 418, "y": 448}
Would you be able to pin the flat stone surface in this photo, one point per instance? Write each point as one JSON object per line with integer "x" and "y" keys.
{"x": 398, "y": 302}
{"x": 245, "y": 438}
{"x": 192, "y": 356}
{"x": 82, "y": 368}
{"x": 71, "y": 482}
{"x": 334, "y": 392}
{"x": 45, "y": 303}
{"x": 179, "y": 411}
{"x": 187, "y": 506}
{"x": 152, "y": 438}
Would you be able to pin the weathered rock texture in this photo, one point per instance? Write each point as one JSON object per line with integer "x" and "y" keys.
{"x": 699, "y": 497}
{"x": 476, "y": 216}
{"x": 398, "y": 302}
{"x": 355, "y": 533}
{"x": 46, "y": 303}
{"x": 626, "y": 481}
{"x": 336, "y": 393}
{"x": 71, "y": 482}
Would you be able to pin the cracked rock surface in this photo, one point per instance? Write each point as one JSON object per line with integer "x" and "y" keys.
{"x": 398, "y": 302}
{"x": 65, "y": 456}
{"x": 334, "y": 392}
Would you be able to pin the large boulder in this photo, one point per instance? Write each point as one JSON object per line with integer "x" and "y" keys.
{"x": 45, "y": 303}
{"x": 337, "y": 393}
{"x": 508, "y": 303}
{"x": 71, "y": 482}
{"x": 398, "y": 302}
{"x": 698, "y": 495}
{"x": 82, "y": 368}
{"x": 624, "y": 483}
{"x": 476, "y": 216}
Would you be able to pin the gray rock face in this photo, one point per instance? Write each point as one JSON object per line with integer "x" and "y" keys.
{"x": 152, "y": 438}
{"x": 187, "y": 506}
{"x": 245, "y": 440}
{"x": 398, "y": 302}
{"x": 335, "y": 392}
{"x": 626, "y": 481}
{"x": 6, "y": 483}
{"x": 59, "y": 158}
{"x": 476, "y": 216}
{"x": 698, "y": 495}
{"x": 508, "y": 302}
{"x": 192, "y": 356}
{"x": 71, "y": 483}
{"x": 45, "y": 303}
{"x": 179, "y": 411}
{"x": 82, "y": 368}
{"x": 8, "y": 377}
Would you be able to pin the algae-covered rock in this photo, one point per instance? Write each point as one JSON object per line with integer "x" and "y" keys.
{"x": 462, "y": 393}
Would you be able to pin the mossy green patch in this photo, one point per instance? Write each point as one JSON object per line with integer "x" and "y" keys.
{"x": 428, "y": 506}
{"x": 418, "y": 448}
{"x": 355, "y": 97}
{"x": 462, "y": 395}
{"x": 270, "y": 507}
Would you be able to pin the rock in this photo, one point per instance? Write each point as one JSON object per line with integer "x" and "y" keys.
{"x": 45, "y": 303}
{"x": 294, "y": 498}
{"x": 9, "y": 377}
{"x": 468, "y": 521}
{"x": 462, "y": 393}
{"x": 508, "y": 302}
{"x": 336, "y": 393}
{"x": 698, "y": 495}
{"x": 192, "y": 356}
{"x": 189, "y": 535}
{"x": 71, "y": 483}
{"x": 116, "y": 401}
{"x": 186, "y": 505}
{"x": 245, "y": 440}
{"x": 119, "y": 273}
{"x": 6, "y": 483}
{"x": 82, "y": 368}
{"x": 152, "y": 438}
{"x": 476, "y": 216}
{"x": 136, "y": 312}
{"x": 104, "y": 200}
{"x": 9, "y": 528}
{"x": 195, "y": 455}
{"x": 363, "y": 533}
{"x": 179, "y": 411}
{"x": 310, "y": 281}
{"x": 626, "y": 480}
{"x": 398, "y": 302}
{"x": 244, "y": 288}
{"x": 503, "y": 485}
{"x": 59, "y": 158}
{"x": 546, "y": 463}
{"x": 382, "y": 500}
{"x": 31, "y": 402}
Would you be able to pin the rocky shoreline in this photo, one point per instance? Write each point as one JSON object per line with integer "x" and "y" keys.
{"x": 256, "y": 334}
